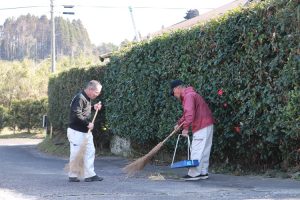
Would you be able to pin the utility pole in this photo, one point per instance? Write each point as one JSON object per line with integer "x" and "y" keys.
{"x": 137, "y": 36}
{"x": 53, "y": 66}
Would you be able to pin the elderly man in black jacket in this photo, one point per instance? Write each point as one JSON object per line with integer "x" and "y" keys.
{"x": 79, "y": 124}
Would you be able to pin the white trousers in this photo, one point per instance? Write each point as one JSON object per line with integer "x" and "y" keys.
{"x": 76, "y": 138}
{"x": 200, "y": 150}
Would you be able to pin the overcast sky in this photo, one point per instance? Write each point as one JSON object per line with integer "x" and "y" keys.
{"x": 110, "y": 20}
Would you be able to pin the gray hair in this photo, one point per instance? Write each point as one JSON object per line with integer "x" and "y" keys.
{"x": 93, "y": 84}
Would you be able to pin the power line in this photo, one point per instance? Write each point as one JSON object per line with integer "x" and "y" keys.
{"x": 22, "y": 7}
{"x": 107, "y": 7}
{"x": 165, "y": 8}
{"x": 136, "y": 7}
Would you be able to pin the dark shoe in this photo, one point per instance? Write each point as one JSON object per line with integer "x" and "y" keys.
{"x": 93, "y": 178}
{"x": 203, "y": 176}
{"x": 73, "y": 179}
{"x": 190, "y": 178}
{"x": 199, "y": 177}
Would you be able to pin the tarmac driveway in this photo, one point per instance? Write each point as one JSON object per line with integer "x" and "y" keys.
{"x": 27, "y": 174}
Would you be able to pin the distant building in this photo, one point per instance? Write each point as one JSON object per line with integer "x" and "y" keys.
{"x": 186, "y": 24}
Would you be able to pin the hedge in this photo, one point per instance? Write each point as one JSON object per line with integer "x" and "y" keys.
{"x": 245, "y": 64}
{"x": 27, "y": 114}
{"x": 62, "y": 88}
{"x": 3, "y": 116}
{"x": 250, "y": 54}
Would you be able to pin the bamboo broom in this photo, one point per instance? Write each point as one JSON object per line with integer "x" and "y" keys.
{"x": 76, "y": 166}
{"x": 141, "y": 162}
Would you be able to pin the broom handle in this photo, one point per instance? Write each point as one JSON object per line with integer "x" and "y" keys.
{"x": 94, "y": 117}
{"x": 175, "y": 130}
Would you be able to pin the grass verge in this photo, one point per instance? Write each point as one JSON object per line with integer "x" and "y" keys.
{"x": 35, "y": 134}
{"x": 57, "y": 146}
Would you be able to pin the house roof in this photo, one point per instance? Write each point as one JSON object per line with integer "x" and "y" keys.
{"x": 200, "y": 19}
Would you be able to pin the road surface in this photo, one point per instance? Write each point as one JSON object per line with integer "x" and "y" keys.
{"x": 27, "y": 174}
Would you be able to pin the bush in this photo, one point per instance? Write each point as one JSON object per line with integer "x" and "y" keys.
{"x": 3, "y": 117}
{"x": 62, "y": 88}
{"x": 250, "y": 54}
{"x": 245, "y": 64}
{"x": 27, "y": 114}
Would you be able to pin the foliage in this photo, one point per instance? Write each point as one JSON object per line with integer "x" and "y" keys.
{"x": 191, "y": 14}
{"x": 58, "y": 145}
{"x": 81, "y": 61}
{"x": 62, "y": 89}
{"x": 106, "y": 48}
{"x": 250, "y": 54}
{"x": 245, "y": 64}
{"x": 27, "y": 114}
{"x": 30, "y": 37}
{"x": 71, "y": 38}
{"x": 22, "y": 80}
{"x": 3, "y": 117}
{"x": 27, "y": 79}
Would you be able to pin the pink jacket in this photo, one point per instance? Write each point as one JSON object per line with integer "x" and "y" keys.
{"x": 195, "y": 111}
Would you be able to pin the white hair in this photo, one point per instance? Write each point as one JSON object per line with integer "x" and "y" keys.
{"x": 93, "y": 84}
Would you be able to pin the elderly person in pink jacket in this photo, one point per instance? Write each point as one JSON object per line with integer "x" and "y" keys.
{"x": 198, "y": 116}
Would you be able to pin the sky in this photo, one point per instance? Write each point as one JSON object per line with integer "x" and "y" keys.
{"x": 110, "y": 20}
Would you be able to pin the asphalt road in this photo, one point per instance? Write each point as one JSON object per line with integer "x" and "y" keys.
{"x": 28, "y": 174}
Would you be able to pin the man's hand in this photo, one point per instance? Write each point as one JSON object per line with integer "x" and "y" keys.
{"x": 98, "y": 106}
{"x": 185, "y": 133}
{"x": 90, "y": 126}
{"x": 176, "y": 127}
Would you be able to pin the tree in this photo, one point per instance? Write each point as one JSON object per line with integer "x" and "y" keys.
{"x": 22, "y": 80}
{"x": 3, "y": 117}
{"x": 106, "y": 48}
{"x": 30, "y": 37}
{"x": 125, "y": 43}
{"x": 191, "y": 14}
{"x": 27, "y": 114}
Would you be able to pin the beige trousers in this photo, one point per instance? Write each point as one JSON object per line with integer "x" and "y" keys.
{"x": 200, "y": 150}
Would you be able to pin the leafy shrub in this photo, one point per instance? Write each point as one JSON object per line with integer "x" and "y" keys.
{"x": 245, "y": 64}
{"x": 3, "y": 117}
{"x": 27, "y": 114}
{"x": 250, "y": 54}
{"x": 62, "y": 88}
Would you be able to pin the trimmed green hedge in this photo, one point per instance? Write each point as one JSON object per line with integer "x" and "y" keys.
{"x": 251, "y": 55}
{"x": 3, "y": 117}
{"x": 62, "y": 88}
{"x": 27, "y": 114}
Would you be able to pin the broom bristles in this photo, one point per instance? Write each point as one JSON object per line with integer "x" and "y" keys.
{"x": 76, "y": 166}
{"x": 141, "y": 162}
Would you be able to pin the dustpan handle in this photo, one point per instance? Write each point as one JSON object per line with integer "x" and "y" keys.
{"x": 189, "y": 144}
{"x": 175, "y": 149}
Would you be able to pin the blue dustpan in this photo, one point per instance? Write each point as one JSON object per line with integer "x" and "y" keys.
{"x": 183, "y": 163}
